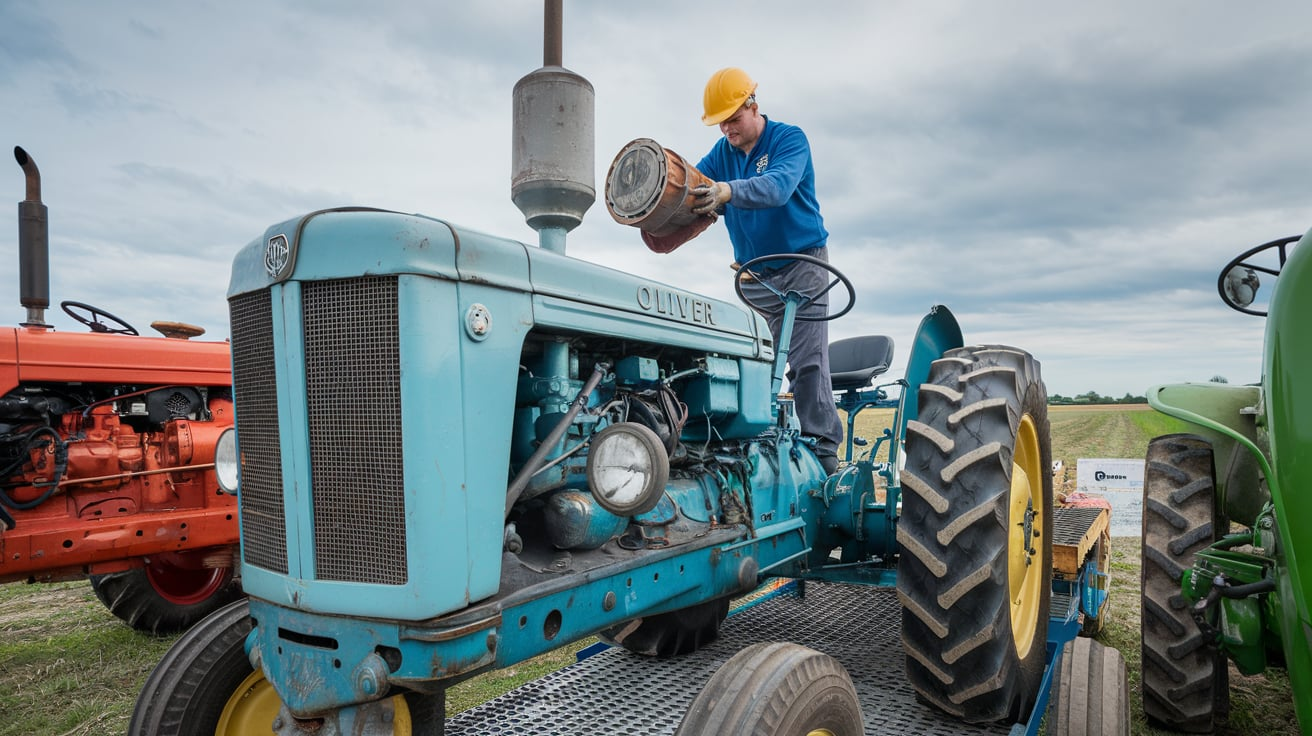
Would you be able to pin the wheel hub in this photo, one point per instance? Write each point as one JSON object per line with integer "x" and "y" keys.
{"x": 1025, "y": 579}
{"x": 255, "y": 707}
{"x": 181, "y": 578}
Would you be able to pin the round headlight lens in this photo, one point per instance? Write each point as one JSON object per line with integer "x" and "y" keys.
{"x": 225, "y": 460}
{"x": 627, "y": 469}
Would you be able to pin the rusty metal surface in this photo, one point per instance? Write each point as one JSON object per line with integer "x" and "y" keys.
{"x": 553, "y": 24}
{"x": 648, "y": 187}
{"x": 621, "y": 693}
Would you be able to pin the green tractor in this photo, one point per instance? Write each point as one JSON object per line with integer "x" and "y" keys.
{"x": 1225, "y": 575}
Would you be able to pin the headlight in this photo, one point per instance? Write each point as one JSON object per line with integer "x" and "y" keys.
{"x": 627, "y": 469}
{"x": 225, "y": 460}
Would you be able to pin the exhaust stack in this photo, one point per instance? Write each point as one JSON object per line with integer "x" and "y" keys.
{"x": 33, "y": 246}
{"x": 552, "y": 161}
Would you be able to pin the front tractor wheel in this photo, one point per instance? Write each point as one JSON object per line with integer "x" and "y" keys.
{"x": 169, "y": 594}
{"x": 776, "y": 689}
{"x": 1185, "y": 678}
{"x": 975, "y": 567}
{"x": 206, "y": 685}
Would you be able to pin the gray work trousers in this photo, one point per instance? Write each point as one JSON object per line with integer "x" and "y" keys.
{"x": 808, "y": 353}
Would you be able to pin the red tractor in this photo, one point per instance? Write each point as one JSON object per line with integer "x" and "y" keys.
{"x": 107, "y": 447}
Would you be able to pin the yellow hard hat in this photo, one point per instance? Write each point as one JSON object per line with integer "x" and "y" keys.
{"x": 725, "y": 93}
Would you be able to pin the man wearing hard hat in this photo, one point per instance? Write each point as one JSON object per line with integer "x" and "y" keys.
{"x": 764, "y": 183}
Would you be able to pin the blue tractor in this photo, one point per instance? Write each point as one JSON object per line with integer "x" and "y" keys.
{"x": 459, "y": 451}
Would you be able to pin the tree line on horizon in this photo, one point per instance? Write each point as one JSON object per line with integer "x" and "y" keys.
{"x": 1093, "y": 397}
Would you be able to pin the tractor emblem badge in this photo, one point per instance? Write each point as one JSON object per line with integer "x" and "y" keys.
{"x": 276, "y": 252}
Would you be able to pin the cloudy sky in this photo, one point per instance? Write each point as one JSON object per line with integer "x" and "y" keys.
{"x": 1069, "y": 178}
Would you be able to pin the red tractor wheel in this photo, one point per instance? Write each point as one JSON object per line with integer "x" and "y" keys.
{"x": 169, "y": 594}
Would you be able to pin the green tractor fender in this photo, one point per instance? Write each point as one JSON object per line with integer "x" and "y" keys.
{"x": 1226, "y": 416}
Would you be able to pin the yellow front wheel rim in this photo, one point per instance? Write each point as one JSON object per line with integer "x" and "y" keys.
{"x": 254, "y": 705}
{"x": 1025, "y": 537}
{"x": 251, "y": 709}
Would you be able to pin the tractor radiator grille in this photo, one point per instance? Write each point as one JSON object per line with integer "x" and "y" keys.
{"x": 263, "y": 523}
{"x": 353, "y": 387}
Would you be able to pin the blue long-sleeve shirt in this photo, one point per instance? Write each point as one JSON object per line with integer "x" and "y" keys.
{"x": 774, "y": 209}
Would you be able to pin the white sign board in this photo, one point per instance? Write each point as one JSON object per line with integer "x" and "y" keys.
{"x": 1101, "y": 475}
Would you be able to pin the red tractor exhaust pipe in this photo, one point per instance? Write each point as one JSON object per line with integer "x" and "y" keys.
{"x": 33, "y": 246}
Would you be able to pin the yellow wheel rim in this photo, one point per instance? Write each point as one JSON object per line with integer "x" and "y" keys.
{"x": 1025, "y": 535}
{"x": 251, "y": 709}
{"x": 254, "y": 705}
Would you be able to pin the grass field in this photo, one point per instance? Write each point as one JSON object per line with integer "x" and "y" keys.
{"x": 68, "y": 668}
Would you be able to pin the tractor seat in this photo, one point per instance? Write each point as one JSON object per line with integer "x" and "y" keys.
{"x": 855, "y": 361}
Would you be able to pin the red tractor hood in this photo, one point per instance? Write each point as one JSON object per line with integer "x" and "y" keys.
{"x": 35, "y": 355}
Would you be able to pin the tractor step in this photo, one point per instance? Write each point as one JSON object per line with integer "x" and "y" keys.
{"x": 617, "y": 692}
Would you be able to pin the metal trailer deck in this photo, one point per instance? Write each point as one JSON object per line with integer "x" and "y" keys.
{"x": 615, "y": 692}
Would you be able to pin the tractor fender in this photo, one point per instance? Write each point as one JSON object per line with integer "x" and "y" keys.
{"x": 938, "y": 333}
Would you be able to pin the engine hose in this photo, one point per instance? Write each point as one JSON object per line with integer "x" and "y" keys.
{"x": 1245, "y": 590}
{"x": 531, "y": 468}
{"x": 676, "y": 412}
{"x": 646, "y": 417}
{"x": 61, "y": 465}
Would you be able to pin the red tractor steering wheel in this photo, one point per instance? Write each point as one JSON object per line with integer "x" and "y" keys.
{"x": 92, "y": 319}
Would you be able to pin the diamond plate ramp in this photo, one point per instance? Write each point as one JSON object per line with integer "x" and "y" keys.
{"x": 615, "y": 692}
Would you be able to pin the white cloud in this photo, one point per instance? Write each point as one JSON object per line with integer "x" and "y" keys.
{"x": 1069, "y": 180}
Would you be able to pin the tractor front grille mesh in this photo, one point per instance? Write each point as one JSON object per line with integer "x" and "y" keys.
{"x": 263, "y": 523}
{"x": 353, "y": 394}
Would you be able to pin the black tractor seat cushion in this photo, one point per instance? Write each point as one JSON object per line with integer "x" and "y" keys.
{"x": 854, "y": 362}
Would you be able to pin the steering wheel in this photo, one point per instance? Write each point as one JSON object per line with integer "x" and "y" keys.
{"x": 92, "y": 320}
{"x": 806, "y": 299}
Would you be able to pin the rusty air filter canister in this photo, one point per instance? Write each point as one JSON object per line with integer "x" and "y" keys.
{"x": 648, "y": 187}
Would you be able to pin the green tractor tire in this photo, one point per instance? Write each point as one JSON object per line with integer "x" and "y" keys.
{"x": 205, "y": 684}
{"x": 1185, "y": 678}
{"x": 975, "y": 567}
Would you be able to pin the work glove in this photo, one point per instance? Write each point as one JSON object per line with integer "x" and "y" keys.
{"x": 710, "y": 197}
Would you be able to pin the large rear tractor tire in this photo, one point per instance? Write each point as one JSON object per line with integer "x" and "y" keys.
{"x": 1185, "y": 678}
{"x": 1091, "y": 697}
{"x": 975, "y": 567}
{"x": 670, "y": 634}
{"x": 169, "y": 594}
{"x": 206, "y": 685}
{"x": 776, "y": 689}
